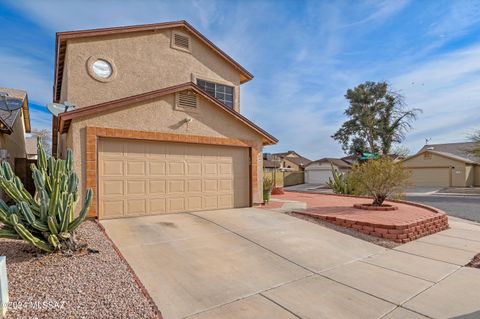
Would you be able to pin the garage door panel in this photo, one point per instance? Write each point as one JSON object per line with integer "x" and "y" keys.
{"x": 146, "y": 177}
{"x": 157, "y": 187}
{"x": 176, "y": 186}
{"x": 136, "y": 207}
{"x": 225, "y": 169}
{"x": 210, "y": 202}
{"x": 210, "y": 185}
{"x": 112, "y": 167}
{"x": 155, "y": 150}
{"x": 210, "y": 169}
{"x": 194, "y": 169}
{"x": 194, "y": 203}
{"x": 135, "y": 149}
{"x": 157, "y": 168}
{"x": 134, "y": 187}
{"x": 157, "y": 206}
{"x": 318, "y": 176}
{"x": 176, "y": 168}
{"x": 225, "y": 201}
{"x": 225, "y": 185}
{"x": 113, "y": 148}
{"x": 194, "y": 186}
{"x": 112, "y": 187}
{"x": 112, "y": 208}
{"x": 175, "y": 205}
{"x": 136, "y": 168}
{"x": 430, "y": 177}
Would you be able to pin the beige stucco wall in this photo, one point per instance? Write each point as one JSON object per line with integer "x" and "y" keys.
{"x": 161, "y": 116}
{"x": 476, "y": 174}
{"x": 144, "y": 62}
{"x": 458, "y": 170}
{"x": 291, "y": 165}
{"x": 15, "y": 142}
{"x": 469, "y": 175}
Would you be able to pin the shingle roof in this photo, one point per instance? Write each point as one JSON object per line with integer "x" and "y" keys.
{"x": 339, "y": 162}
{"x": 6, "y": 117}
{"x": 458, "y": 150}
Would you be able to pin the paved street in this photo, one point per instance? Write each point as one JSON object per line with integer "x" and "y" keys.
{"x": 467, "y": 207}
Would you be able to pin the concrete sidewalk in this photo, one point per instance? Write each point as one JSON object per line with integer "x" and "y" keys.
{"x": 254, "y": 263}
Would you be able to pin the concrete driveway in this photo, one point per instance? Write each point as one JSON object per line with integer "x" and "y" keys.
{"x": 254, "y": 263}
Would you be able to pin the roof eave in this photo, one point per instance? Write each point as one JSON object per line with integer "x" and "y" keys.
{"x": 66, "y": 117}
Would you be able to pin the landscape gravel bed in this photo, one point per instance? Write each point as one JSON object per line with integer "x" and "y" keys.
{"x": 93, "y": 284}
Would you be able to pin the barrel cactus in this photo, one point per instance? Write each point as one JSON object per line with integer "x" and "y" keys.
{"x": 47, "y": 219}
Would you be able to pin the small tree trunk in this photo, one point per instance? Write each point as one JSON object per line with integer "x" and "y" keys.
{"x": 378, "y": 200}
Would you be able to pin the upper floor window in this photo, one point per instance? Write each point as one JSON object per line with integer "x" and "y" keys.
{"x": 223, "y": 93}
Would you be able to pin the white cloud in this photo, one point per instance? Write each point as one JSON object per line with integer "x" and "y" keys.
{"x": 24, "y": 74}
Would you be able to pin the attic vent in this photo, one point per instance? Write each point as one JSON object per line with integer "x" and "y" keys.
{"x": 180, "y": 41}
{"x": 187, "y": 99}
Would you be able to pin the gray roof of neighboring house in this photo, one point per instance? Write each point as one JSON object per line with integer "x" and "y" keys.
{"x": 339, "y": 162}
{"x": 6, "y": 117}
{"x": 31, "y": 146}
{"x": 461, "y": 151}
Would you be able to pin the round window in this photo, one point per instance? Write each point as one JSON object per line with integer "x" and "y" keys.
{"x": 102, "y": 68}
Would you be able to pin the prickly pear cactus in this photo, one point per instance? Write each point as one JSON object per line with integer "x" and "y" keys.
{"x": 46, "y": 220}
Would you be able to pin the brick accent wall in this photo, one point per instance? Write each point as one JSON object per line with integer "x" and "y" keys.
{"x": 93, "y": 133}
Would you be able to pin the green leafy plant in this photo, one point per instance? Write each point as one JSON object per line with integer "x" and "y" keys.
{"x": 381, "y": 178}
{"x": 267, "y": 188}
{"x": 341, "y": 183}
{"x": 46, "y": 220}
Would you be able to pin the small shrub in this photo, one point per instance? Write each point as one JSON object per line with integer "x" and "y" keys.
{"x": 267, "y": 188}
{"x": 341, "y": 183}
{"x": 381, "y": 178}
{"x": 46, "y": 220}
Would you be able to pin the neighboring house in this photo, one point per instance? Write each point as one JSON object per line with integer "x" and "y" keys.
{"x": 288, "y": 161}
{"x": 157, "y": 125}
{"x": 13, "y": 125}
{"x": 444, "y": 165}
{"x": 31, "y": 148}
{"x": 320, "y": 171}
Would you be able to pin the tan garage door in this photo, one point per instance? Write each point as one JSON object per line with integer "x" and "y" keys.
{"x": 146, "y": 177}
{"x": 430, "y": 177}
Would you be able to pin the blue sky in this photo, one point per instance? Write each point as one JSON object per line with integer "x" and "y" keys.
{"x": 304, "y": 56}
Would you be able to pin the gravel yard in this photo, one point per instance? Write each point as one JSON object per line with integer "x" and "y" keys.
{"x": 92, "y": 285}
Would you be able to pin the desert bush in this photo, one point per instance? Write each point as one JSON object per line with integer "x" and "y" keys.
{"x": 46, "y": 220}
{"x": 267, "y": 188}
{"x": 380, "y": 178}
{"x": 341, "y": 183}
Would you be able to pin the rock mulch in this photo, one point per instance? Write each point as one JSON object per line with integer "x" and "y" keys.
{"x": 91, "y": 285}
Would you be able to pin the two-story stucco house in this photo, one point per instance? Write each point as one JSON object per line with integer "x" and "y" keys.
{"x": 156, "y": 126}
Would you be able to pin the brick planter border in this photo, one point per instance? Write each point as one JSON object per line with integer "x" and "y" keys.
{"x": 397, "y": 232}
{"x": 377, "y": 208}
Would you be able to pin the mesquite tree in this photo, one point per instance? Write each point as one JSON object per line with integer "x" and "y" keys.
{"x": 46, "y": 220}
{"x": 377, "y": 119}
